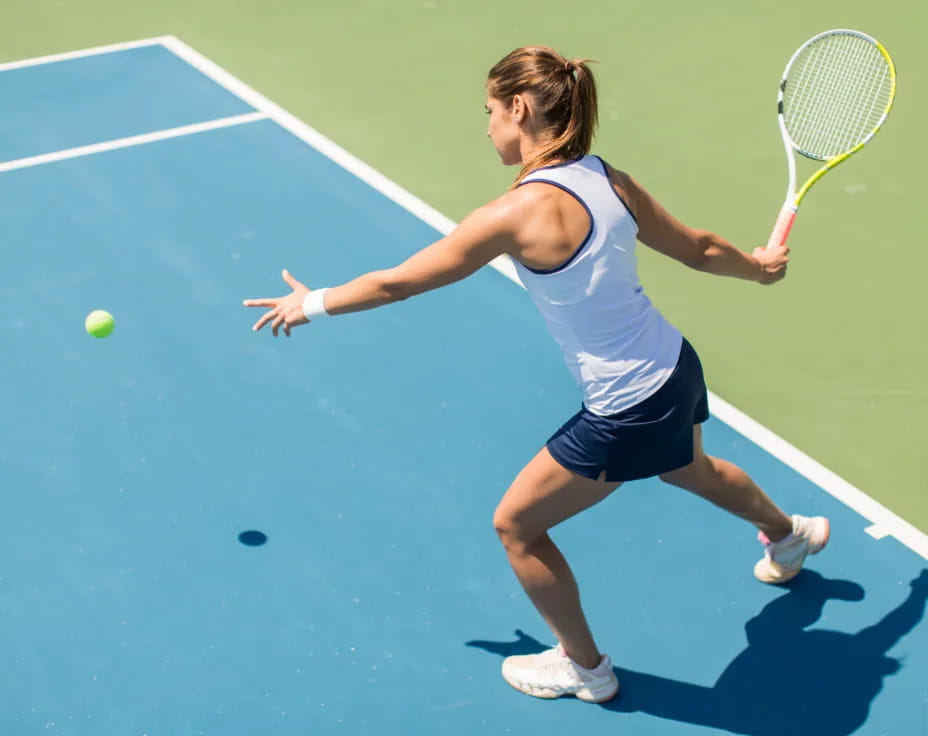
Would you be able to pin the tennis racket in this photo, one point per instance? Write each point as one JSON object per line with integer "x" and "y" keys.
{"x": 836, "y": 91}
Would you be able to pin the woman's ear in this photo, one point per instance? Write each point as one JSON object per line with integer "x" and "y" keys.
{"x": 519, "y": 111}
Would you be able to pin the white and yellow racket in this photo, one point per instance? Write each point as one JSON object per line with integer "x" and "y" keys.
{"x": 836, "y": 91}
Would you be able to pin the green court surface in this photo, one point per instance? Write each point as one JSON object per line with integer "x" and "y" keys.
{"x": 833, "y": 360}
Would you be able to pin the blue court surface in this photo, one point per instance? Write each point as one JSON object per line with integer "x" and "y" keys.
{"x": 370, "y": 449}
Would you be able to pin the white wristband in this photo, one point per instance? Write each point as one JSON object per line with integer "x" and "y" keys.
{"x": 314, "y": 305}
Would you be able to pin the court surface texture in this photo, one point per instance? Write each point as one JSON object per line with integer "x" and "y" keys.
{"x": 369, "y": 450}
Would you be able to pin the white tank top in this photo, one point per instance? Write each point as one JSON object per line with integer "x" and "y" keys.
{"x": 615, "y": 342}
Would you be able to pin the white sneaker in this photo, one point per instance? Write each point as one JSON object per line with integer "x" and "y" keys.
{"x": 552, "y": 674}
{"x": 783, "y": 560}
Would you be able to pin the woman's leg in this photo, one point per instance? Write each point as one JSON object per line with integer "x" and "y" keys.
{"x": 728, "y": 486}
{"x": 543, "y": 495}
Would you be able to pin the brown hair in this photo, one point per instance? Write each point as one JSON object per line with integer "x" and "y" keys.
{"x": 564, "y": 95}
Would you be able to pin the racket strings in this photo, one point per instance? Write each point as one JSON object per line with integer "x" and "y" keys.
{"x": 835, "y": 98}
{"x": 830, "y": 73}
{"x": 836, "y": 94}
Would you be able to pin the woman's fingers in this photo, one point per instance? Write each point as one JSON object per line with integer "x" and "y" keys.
{"x": 286, "y": 311}
{"x": 265, "y": 318}
{"x": 294, "y": 284}
{"x": 278, "y": 320}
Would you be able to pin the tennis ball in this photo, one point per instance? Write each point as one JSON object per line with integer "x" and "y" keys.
{"x": 99, "y": 323}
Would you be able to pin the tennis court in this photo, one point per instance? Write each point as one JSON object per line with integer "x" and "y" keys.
{"x": 145, "y": 180}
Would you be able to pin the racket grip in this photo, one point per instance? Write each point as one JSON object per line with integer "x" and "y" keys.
{"x": 781, "y": 230}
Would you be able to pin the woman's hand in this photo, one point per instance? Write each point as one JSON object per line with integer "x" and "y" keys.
{"x": 772, "y": 261}
{"x": 284, "y": 310}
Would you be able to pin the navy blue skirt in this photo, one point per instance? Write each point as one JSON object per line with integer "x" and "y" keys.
{"x": 650, "y": 438}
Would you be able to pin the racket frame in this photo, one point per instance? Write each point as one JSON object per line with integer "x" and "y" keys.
{"x": 791, "y": 205}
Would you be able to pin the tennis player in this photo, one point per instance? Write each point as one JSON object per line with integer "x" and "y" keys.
{"x": 570, "y": 222}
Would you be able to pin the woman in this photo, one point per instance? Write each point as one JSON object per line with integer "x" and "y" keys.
{"x": 570, "y": 222}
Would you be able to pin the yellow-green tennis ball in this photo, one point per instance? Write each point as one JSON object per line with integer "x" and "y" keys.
{"x": 100, "y": 323}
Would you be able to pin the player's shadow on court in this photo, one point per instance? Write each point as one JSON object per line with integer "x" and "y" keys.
{"x": 789, "y": 679}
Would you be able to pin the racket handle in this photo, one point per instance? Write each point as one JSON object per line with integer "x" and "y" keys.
{"x": 781, "y": 230}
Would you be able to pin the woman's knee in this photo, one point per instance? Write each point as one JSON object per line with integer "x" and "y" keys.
{"x": 513, "y": 536}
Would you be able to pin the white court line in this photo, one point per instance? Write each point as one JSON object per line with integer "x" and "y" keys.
{"x": 135, "y": 140}
{"x": 68, "y": 55}
{"x": 318, "y": 141}
{"x": 884, "y": 522}
{"x": 876, "y": 531}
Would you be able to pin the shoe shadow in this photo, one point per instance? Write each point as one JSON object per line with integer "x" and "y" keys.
{"x": 789, "y": 678}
